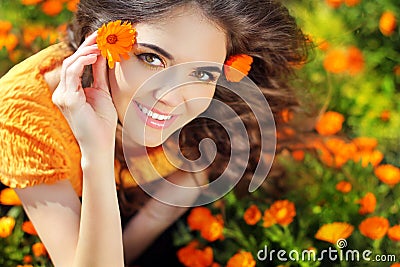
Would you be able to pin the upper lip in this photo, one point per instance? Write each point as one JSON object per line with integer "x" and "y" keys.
{"x": 155, "y": 110}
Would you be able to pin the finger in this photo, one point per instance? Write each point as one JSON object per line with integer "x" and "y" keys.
{"x": 89, "y": 40}
{"x": 74, "y": 72}
{"x": 100, "y": 74}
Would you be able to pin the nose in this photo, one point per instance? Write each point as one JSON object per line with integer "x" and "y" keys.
{"x": 170, "y": 96}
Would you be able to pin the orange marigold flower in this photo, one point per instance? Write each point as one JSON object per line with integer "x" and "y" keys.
{"x": 28, "y": 228}
{"x": 332, "y": 232}
{"x": 385, "y": 115}
{"x": 394, "y": 233}
{"x": 374, "y": 227}
{"x": 8, "y": 41}
{"x": 5, "y": 27}
{"x": 387, "y": 23}
{"x": 268, "y": 219}
{"x": 191, "y": 256}
{"x": 352, "y": 2}
{"x": 39, "y": 249}
{"x": 368, "y": 204}
{"x": 25, "y": 265}
{"x": 72, "y": 5}
{"x": 388, "y": 174}
{"x": 30, "y": 33}
{"x": 342, "y": 151}
{"x": 6, "y": 226}
{"x": 365, "y": 143}
{"x": 28, "y": 259}
{"x": 116, "y": 39}
{"x": 330, "y": 123}
{"x": 368, "y": 157}
{"x": 336, "y": 61}
{"x": 212, "y": 229}
{"x": 52, "y": 7}
{"x": 395, "y": 265}
{"x": 252, "y": 215}
{"x": 283, "y": 212}
{"x": 355, "y": 60}
{"x": 334, "y": 3}
{"x": 343, "y": 186}
{"x": 31, "y": 2}
{"x": 242, "y": 65}
{"x": 198, "y": 217}
{"x": 241, "y": 259}
{"x": 9, "y": 197}
{"x": 298, "y": 155}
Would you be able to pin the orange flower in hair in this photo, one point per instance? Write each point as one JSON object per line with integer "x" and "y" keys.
{"x": 242, "y": 63}
{"x": 116, "y": 39}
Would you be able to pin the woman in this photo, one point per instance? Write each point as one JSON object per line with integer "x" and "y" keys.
{"x": 53, "y": 161}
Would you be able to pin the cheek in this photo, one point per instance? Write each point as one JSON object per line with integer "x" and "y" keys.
{"x": 199, "y": 98}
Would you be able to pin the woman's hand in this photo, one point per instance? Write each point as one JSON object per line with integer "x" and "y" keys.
{"x": 90, "y": 111}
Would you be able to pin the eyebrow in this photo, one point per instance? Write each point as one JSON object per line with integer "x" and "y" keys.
{"x": 158, "y": 50}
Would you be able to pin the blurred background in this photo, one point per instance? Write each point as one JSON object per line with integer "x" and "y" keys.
{"x": 353, "y": 80}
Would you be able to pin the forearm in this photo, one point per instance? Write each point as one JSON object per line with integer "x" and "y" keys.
{"x": 100, "y": 235}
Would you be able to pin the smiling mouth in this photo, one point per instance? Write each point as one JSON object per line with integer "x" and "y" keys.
{"x": 152, "y": 114}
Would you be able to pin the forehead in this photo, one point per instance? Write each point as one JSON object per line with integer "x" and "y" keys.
{"x": 187, "y": 35}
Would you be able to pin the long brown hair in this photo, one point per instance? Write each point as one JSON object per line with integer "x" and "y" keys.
{"x": 263, "y": 29}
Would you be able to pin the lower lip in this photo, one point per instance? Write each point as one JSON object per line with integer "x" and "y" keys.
{"x": 153, "y": 123}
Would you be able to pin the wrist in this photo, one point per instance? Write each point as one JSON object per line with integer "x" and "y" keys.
{"x": 97, "y": 160}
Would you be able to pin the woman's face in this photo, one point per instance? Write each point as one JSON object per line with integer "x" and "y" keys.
{"x": 153, "y": 113}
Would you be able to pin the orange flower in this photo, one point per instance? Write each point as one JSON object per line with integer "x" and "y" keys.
{"x": 6, "y": 226}
{"x": 191, "y": 256}
{"x": 336, "y": 61}
{"x": 287, "y": 115}
{"x": 395, "y": 265}
{"x": 374, "y": 227}
{"x": 342, "y": 151}
{"x": 268, "y": 219}
{"x": 8, "y": 41}
{"x": 355, "y": 60}
{"x": 332, "y": 232}
{"x": 25, "y": 265}
{"x": 198, "y": 217}
{"x": 39, "y": 249}
{"x": 365, "y": 143}
{"x": 388, "y": 174}
{"x": 387, "y": 23}
{"x": 329, "y": 123}
{"x": 343, "y": 186}
{"x": 394, "y": 233}
{"x": 298, "y": 155}
{"x": 9, "y": 197}
{"x": 334, "y": 3}
{"x": 241, "y": 259}
{"x": 283, "y": 211}
{"x": 31, "y": 2}
{"x": 368, "y": 204}
{"x": 352, "y": 2}
{"x": 30, "y": 33}
{"x": 28, "y": 259}
{"x": 385, "y": 115}
{"x": 212, "y": 229}
{"x": 115, "y": 40}
{"x": 252, "y": 215}
{"x": 52, "y": 7}
{"x": 242, "y": 65}
{"x": 368, "y": 157}
{"x": 28, "y": 228}
{"x": 5, "y": 27}
{"x": 72, "y": 5}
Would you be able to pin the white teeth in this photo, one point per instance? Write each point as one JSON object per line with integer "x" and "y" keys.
{"x": 153, "y": 115}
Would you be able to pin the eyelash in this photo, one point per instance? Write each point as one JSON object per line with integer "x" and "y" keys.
{"x": 142, "y": 59}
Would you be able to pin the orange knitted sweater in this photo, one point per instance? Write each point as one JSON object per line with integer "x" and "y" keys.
{"x": 36, "y": 142}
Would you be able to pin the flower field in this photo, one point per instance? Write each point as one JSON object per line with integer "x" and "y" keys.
{"x": 337, "y": 192}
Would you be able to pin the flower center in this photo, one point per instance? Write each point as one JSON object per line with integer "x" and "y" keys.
{"x": 112, "y": 39}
